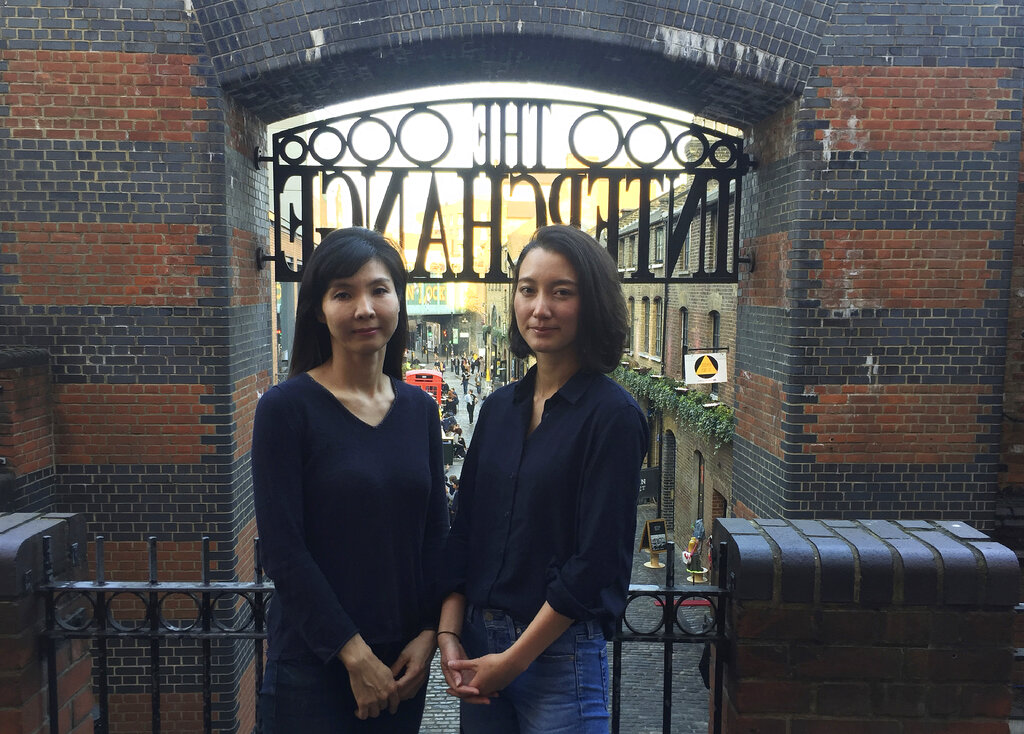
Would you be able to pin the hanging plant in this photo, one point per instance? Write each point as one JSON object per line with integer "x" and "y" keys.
{"x": 715, "y": 423}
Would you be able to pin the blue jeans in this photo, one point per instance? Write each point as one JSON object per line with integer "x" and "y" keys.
{"x": 313, "y": 698}
{"x": 564, "y": 691}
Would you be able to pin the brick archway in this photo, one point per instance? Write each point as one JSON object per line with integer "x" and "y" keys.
{"x": 728, "y": 60}
{"x": 131, "y": 209}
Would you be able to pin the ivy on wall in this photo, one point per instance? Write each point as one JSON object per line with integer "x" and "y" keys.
{"x": 715, "y": 423}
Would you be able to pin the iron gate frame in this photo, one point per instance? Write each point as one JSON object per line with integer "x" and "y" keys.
{"x": 702, "y": 153}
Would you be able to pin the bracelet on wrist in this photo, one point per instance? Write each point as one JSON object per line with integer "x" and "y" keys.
{"x": 449, "y": 632}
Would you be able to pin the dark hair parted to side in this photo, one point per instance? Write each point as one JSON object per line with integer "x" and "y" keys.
{"x": 340, "y": 254}
{"x": 603, "y": 324}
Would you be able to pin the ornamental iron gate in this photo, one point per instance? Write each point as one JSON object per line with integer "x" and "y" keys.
{"x": 207, "y": 612}
{"x": 549, "y": 158}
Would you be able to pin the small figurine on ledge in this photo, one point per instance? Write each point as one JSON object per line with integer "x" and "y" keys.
{"x": 692, "y": 555}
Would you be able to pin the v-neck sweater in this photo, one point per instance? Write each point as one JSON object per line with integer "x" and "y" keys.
{"x": 351, "y": 518}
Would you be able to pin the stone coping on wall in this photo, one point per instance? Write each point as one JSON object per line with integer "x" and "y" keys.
{"x": 866, "y": 562}
{"x": 21, "y": 549}
{"x": 14, "y": 358}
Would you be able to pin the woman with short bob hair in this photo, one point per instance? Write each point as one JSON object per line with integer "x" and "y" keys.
{"x": 603, "y": 322}
{"x": 350, "y": 536}
{"x": 537, "y": 564}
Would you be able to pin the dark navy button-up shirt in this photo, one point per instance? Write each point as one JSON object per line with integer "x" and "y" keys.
{"x": 550, "y": 516}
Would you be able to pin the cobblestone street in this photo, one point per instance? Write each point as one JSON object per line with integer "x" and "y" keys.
{"x": 641, "y": 697}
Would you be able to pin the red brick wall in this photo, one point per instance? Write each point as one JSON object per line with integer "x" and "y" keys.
{"x": 759, "y": 411}
{"x": 839, "y": 670}
{"x": 132, "y": 424}
{"x": 26, "y": 418}
{"x": 914, "y": 108}
{"x": 868, "y": 423}
{"x": 102, "y": 95}
{"x": 68, "y": 264}
{"x": 904, "y": 269}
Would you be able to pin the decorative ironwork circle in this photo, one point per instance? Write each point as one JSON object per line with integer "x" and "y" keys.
{"x": 314, "y": 140}
{"x": 66, "y": 622}
{"x": 721, "y": 161}
{"x": 245, "y": 619}
{"x": 695, "y": 620}
{"x": 683, "y": 155}
{"x": 666, "y": 147}
{"x": 575, "y": 127}
{"x": 289, "y": 141}
{"x": 642, "y": 615}
{"x": 141, "y": 596}
{"x": 171, "y": 626}
{"x": 367, "y": 120}
{"x": 450, "y": 135}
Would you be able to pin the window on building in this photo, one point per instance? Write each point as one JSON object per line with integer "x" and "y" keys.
{"x": 632, "y": 325}
{"x": 684, "y": 330}
{"x": 700, "y": 485}
{"x": 622, "y": 254}
{"x": 659, "y": 245}
{"x": 716, "y": 330}
{"x": 657, "y": 327}
{"x": 645, "y": 326}
{"x": 685, "y": 259}
{"x": 712, "y": 240}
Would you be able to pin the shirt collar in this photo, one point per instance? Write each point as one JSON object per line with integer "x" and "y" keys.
{"x": 571, "y": 391}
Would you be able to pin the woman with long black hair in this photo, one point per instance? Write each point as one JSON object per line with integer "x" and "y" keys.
{"x": 350, "y": 536}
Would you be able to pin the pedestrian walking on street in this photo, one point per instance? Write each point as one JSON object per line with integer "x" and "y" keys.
{"x": 539, "y": 557}
{"x": 465, "y": 382}
{"x": 350, "y": 644}
{"x": 470, "y": 405}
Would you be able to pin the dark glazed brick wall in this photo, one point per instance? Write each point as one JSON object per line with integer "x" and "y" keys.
{"x": 733, "y": 59}
{"x": 129, "y": 219}
{"x": 877, "y": 333}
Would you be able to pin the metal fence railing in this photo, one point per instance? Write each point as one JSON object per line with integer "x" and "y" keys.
{"x": 156, "y": 615}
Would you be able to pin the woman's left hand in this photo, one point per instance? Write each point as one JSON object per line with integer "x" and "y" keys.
{"x": 412, "y": 666}
{"x": 490, "y": 673}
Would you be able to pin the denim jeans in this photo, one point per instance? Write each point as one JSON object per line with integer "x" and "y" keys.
{"x": 564, "y": 691}
{"x": 313, "y": 698}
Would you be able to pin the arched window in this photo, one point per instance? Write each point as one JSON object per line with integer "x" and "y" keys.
{"x": 645, "y": 326}
{"x": 684, "y": 330}
{"x": 716, "y": 330}
{"x": 631, "y": 345}
{"x": 657, "y": 327}
{"x": 699, "y": 514}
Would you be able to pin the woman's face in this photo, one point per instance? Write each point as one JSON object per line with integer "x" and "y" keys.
{"x": 547, "y": 303}
{"x": 361, "y": 311}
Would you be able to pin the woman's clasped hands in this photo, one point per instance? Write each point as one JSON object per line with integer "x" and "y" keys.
{"x": 378, "y": 688}
{"x": 477, "y": 680}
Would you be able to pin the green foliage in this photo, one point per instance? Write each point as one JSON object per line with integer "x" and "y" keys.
{"x": 688, "y": 408}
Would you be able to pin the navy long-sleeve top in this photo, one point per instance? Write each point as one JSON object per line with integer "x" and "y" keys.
{"x": 352, "y": 518}
{"x": 550, "y": 516}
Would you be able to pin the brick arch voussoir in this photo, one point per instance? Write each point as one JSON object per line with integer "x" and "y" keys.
{"x": 305, "y": 60}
